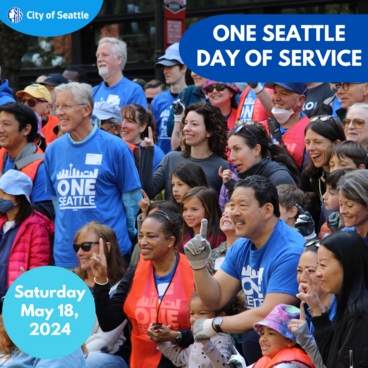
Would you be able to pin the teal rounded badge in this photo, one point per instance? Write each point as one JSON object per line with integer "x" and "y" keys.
{"x": 48, "y": 312}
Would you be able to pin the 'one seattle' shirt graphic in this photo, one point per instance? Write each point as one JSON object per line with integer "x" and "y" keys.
{"x": 77, "y": 189}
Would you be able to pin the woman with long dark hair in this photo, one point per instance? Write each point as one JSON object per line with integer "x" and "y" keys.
{"x": 342, "y": 271}
{"x": 253, "y": 153}
{"x": 205, "y": 133}
{"x": 321, "y": 135}
{"x": 136, "y": 124}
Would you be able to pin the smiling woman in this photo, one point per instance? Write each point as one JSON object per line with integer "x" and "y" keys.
{"x": 343, "y": 271}
{"x": 162, "y": 277}
{"x": 205, "y": 133}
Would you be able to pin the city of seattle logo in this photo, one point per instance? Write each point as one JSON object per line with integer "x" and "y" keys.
{"x": 15, "y": 15}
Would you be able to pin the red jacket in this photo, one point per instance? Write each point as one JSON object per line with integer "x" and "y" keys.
{"x": 31, "y": 247}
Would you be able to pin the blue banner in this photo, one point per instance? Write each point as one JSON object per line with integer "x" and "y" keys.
{"x": 303, "y": 48}
{"x": 45, "y": 18}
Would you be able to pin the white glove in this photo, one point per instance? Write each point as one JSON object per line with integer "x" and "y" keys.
{"x": 203, "y": 330}
{"x": 236, "y": 360}
{"x": 178, "y": 108}
{"x": 198, "y": 249}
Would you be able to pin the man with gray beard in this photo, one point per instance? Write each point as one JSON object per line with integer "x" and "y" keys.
{"x": 115, "y": 88}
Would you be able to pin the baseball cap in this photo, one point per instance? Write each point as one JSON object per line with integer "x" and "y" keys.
{"x": 55, "y": 79}
{"x": 37, "y": 91}
{"x": 301, "y": 88}
{"x": 107, "y": 110}
{"x": 279, "y": 319}
{"x": 15, "y": 182}
{"x": 171, "y": 57}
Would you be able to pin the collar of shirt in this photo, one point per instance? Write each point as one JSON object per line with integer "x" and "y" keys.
{"x": 89, "y": 136}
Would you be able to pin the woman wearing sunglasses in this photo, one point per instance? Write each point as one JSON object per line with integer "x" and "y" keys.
{"x": 25, "y": 233}
{"x": 223, "y": 95}
{"x": 205, "y": 133}
{"x": 342, "y": 271}
{"x": 102, "y": 346}
{"x": 253, "y": 153}
{"x": 154, "y": 292}
{"x": 321, "y": 135}
{"x": 356, "y": 124}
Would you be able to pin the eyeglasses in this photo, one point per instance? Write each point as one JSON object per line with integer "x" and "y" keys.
{"x": 86, "y": 246}
{"x": 32, "y": 102}
{"x": 243, "y": 126}
{"x": 66, "y": 107}
{"x": 218, "y": 87}
{"x": 345, "y": 86}
{"x": 357, "y": 123}
{"x": 321, "y": 118}
{"x": 163, "y": 214}
{"x": 313, "y": 242}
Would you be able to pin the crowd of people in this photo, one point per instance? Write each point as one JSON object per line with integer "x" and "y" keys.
{"x": 219, "y": 223}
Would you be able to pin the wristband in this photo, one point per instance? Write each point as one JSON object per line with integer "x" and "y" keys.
{"x": 319, "y": 315}
{"x": 107, "y": 281}
{"x": 258, "y": 89}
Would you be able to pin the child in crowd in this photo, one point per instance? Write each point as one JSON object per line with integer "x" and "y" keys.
{"x": 291, "y": 196}
{"x": 213, "y": 353}
{"x": 185, "y": 177}
{"x": 278, "y": 343}
{"x": 348, "y": 155}
{"x": 331, "y": 201}
{"x": 197, "y": 204}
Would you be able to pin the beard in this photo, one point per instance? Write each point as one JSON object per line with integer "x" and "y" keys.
{"x": 104, "y": 72}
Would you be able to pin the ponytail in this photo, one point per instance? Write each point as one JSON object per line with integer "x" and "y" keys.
{"x": 282, "y": 156}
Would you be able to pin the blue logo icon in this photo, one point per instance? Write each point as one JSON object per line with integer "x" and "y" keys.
{"x": 15, "y": 15}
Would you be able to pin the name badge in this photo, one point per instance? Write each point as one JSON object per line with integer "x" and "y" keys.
{"x": 218, "y": 263}
{"x": 93, "y": 159}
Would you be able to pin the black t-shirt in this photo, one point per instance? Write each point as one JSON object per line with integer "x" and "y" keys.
{"x": 315, "y": 97}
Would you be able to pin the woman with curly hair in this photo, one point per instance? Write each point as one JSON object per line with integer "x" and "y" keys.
{"x": 205, "y": 133}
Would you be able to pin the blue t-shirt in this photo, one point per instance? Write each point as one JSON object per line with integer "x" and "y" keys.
{"x": 163, "y": 282}
{"x": 270, "y": 269}
{"x": 89, "y": 180}
{"x": 160, "y": 109}
{"x": 38, "y": 191}
{"x": 157, "y": 156}
{"x": 123, "y": 93}
{"x": 248, "y": 106}
{"x": 336, "y": 105}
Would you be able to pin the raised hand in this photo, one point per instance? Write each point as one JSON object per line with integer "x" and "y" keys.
{"x": 304, "y": 223}
{"x": 226, "y": 175}
{"x": 297, "y": 323}
{"x": 198, "y": 249}
{"x": 178, "y": 105}
{"x": 99, "y": 264}
{"x": 308, "y": 294}
{"x": 148, "y": 141}
{"x": 257, "y": 87}
{"x": 202, "y": 330}
{"x": 144, "y": 203}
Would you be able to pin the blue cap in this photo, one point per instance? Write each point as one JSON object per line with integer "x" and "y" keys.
{"x": 300, "y": 88}
{"x": 15, "y": 182}
{"x": 171, "y": 58}
{"x": 55, "y": 79}
{"x": 107, "y": 110}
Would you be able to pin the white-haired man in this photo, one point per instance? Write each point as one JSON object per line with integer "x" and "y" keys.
{"x": 91, "y": 176}
{"x": 115, "y": 88}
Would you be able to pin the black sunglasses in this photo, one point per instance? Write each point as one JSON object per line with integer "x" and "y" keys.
{"x": 219, "y": 88}
{"x": 243, "y": 126}
{"x": 86, "y": 246}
